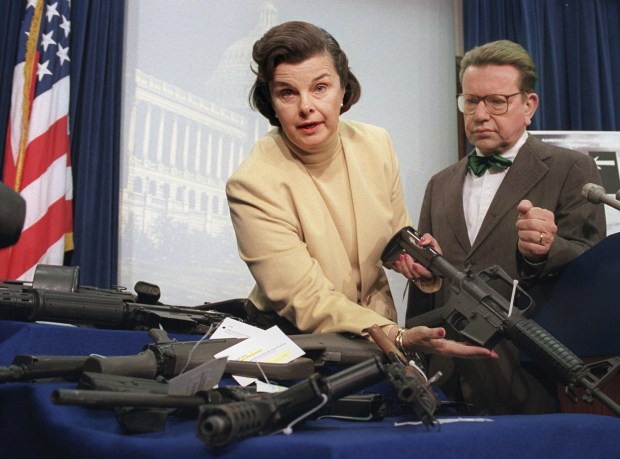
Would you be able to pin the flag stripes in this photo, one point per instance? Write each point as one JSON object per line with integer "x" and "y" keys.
{"x": 37, "y": 160}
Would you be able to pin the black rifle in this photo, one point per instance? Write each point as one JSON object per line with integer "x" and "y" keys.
{"x": 143, "y": 405}
{"x": 167, "y": 358}
{"x": 219, "y": 425}
{"x": 480, "y": 314}
{"x": 55, "y": 296}
{"x": 414, "y": 388}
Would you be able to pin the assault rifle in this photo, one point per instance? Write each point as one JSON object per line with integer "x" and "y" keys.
{"x": 414, "y": 388}
{"x": 54, "y": 295}
{"x": 219, "y": 425}
{"x": 168, "y": 357}
{"x": 144, "y": 405}
{"x": 480, "y": 314}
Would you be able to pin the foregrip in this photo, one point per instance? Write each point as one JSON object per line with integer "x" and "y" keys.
{"x": 544, "y": 349}
{"x": 549, "y": 353}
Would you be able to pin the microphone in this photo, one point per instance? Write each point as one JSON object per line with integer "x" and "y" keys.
{"x": 596, "y": 194}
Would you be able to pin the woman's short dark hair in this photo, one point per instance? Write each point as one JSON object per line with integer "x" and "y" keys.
{"x": 294, "y": 42}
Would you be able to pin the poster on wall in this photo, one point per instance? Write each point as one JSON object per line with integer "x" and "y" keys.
{"x": 187, "y": 123}
{"x": 604, "y": 148}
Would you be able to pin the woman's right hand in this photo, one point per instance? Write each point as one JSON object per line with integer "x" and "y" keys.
{"x": 433, "y": 341}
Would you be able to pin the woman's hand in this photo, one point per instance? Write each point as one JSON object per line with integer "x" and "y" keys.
{"x": 411, "y": 269}
{"x": 432, "y": 341}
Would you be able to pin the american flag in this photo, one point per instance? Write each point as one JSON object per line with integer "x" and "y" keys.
{"x": 37, "y": 161}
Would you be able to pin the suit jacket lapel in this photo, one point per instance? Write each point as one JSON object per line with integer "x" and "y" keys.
{"x": 527, "y": 170}
{"x": 454, "y": 205}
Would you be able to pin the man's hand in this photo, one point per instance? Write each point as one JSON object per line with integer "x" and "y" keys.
{"x": 536, "y": 229}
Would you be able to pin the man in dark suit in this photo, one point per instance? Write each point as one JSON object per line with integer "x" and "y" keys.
{"x": 524, "y": 213}
{"x": 12, "y": 215}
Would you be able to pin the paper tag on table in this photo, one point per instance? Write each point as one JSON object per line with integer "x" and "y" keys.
{"x": 269, "y": 388}
{"x": 231, "y": 328}
{"x": 270, "y": 346}
{"x": 203, "y": 377}
{"x": 207, "y": 375}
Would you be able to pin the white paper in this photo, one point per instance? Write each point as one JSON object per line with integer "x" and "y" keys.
{"x": 271, "y": 346}
{"x": 271, "y": 388}
{"x": 231, "y": 328}
{"x": 203, "y": 377}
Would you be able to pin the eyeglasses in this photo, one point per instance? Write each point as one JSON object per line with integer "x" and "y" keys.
{"x": 496, "y": 104}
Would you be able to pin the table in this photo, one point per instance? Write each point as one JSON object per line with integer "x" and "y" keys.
{"x": 31, "y": 426}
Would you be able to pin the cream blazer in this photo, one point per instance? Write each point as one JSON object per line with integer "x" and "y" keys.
{"x": 291, "y": 244}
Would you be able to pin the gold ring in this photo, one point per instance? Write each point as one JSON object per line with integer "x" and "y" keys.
{"x": 540, "y": 241}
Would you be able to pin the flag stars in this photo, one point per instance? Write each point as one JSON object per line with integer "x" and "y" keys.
{"x": 66, "y": 26}
{"x": 63, "y": 54}
{"x": 51, "y": 11}
{"x": 46, "y": 40}
{"x": 42, "y": 70}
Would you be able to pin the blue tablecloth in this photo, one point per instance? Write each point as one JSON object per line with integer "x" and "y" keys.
{"x": 31, "y": 426}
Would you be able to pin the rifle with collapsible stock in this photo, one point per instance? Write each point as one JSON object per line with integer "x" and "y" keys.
{"x": 477, "y": 312}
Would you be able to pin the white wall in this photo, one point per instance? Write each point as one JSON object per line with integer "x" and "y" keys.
{"x": 185, "y": 130}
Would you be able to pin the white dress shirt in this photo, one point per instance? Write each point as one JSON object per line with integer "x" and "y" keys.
{"x": 478, "y": 192}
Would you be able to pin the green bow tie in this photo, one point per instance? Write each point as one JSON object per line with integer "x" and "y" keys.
{"x": 479, "y": 164}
